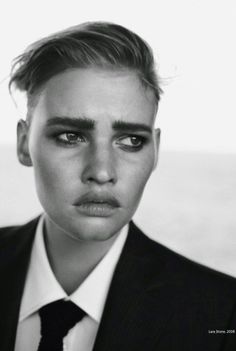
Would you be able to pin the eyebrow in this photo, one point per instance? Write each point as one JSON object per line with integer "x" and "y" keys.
{"x": 89, "y": 124}
{"x": 131, "y": 126}
{"x": 78, "y": 122}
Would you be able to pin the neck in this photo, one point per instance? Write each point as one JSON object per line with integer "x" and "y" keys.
{"x": 72, "y": 260}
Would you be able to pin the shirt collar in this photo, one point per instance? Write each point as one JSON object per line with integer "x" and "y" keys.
{"x": 42, "y": 287}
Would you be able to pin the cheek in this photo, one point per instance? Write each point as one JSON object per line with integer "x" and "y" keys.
{"x": 53, "y": 176}
{"x": 138, "y": 183}
{"x": 137, "y": 176}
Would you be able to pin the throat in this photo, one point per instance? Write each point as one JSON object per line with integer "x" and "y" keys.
{"x": 71, "y": 275}
{"x": 72, "y": 261}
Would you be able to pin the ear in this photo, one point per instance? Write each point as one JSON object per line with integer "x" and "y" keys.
{"x": 22, "y": 143}
{"x": 157, "y": 138}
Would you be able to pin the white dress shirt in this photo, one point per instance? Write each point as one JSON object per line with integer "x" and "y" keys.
{"x": 42, "y": 287}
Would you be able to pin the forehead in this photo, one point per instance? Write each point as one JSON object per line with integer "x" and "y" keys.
{"x": 97, "y": 94}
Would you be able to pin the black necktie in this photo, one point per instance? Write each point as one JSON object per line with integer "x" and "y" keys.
{"x": 57, "y": 318}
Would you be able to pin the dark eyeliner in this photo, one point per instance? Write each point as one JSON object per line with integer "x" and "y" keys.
{"x": 132, "y": 148}
{"x": 56, "y": 136}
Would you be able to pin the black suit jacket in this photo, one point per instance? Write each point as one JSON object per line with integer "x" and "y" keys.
{"x": 158, "y": 300}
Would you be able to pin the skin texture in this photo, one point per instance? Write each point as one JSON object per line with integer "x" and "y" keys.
{"x": 72, "y": 161}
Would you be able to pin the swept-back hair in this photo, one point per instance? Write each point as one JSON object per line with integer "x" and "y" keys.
{"x": 92, "y": 44}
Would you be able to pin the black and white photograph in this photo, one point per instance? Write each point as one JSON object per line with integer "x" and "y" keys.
{"x": 118, "y": 176}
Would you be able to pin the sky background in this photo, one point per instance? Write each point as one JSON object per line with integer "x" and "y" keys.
{"x": 194, "y": 46}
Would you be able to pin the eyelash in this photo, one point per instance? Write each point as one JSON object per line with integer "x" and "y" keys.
{"x": 142, "y": 140}
{"x": 67, "y": 142}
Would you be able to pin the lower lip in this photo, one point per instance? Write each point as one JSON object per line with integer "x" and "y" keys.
{"x": 92, "y": 209}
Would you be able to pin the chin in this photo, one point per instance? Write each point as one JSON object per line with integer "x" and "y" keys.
{"x": 94, "y": 228}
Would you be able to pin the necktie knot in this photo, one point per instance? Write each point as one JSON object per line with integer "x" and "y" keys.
{"x": 57, "y": 318}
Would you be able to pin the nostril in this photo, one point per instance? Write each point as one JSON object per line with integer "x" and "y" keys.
{"x": 100, "y": 177}
{"x": 100, "y": 168}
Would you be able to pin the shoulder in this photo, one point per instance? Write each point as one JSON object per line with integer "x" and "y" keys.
{"x": 187, "y": 274}
{"x": 17, "y": 232}
{"x": 15, "y": 249}
{"x": 194, "y": 299}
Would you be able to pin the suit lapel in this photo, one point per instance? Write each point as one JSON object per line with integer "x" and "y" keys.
{"x": 139, "y": 301}
{"x": 14, "y": 258}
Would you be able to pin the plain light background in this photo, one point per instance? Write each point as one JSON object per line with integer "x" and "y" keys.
{"x": 189, "y": 203}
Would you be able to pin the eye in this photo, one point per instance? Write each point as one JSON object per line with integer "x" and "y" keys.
{"x": 132, "y": 142}
{"x": 71, "y": 138}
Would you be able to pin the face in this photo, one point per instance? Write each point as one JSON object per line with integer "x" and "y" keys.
{"x": 93, "y": 146}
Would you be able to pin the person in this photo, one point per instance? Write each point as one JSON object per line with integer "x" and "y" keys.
{"x": 82, "y": 276}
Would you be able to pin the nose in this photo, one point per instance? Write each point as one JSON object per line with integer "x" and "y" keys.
{"x": 100, "y": 166}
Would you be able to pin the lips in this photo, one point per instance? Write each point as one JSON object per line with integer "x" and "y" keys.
{"x": 97, "y": 204}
